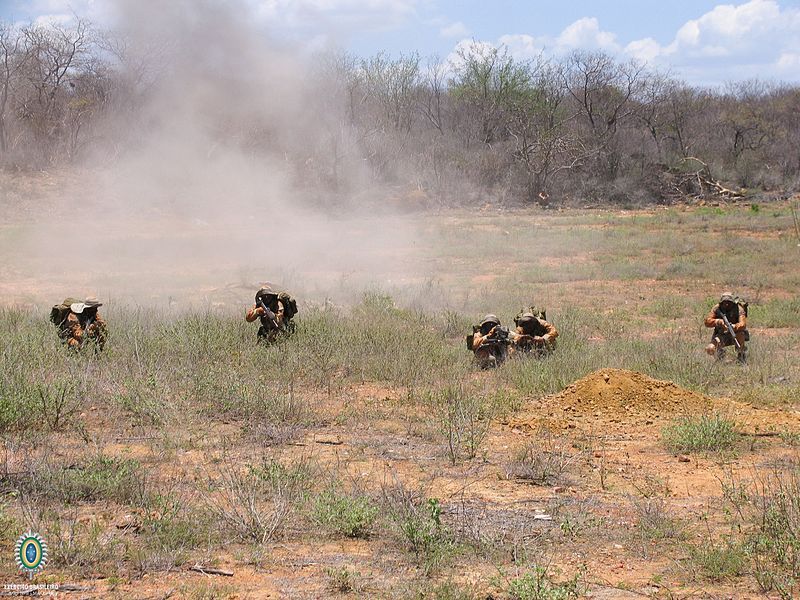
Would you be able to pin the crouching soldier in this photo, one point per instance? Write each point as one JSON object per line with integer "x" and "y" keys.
{"x": 80, "y": 322}
{"x": 275, "y": 311}
{"x": 729, "y": 320}
{"x": 489, "y": 342}
{"x": 533, "y": 335}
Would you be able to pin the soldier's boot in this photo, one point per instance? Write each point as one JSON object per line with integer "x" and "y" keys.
{"x": 719, "y": 354}
{"x": 741, "y": 356}
{"x": 490, "y": 362}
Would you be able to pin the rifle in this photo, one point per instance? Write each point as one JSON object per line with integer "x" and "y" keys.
{"x": 499, "y": 337}
{"x": 269, "y": 314}
{"x": 729, "y": 327}
{"x": 89, "y": 323}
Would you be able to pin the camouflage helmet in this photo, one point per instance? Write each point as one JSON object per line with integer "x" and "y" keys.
{"x": 726, "y": 297}
{"x": 525, "y": 318}
{"x": 263, "y": 292}
{"x": 92, "y": 302}
{"x": 490, "y": 318}
{"x": 77, "y": 307}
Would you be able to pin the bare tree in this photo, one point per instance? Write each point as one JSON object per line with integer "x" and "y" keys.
{"x": 56, "y": 56}
{"x": 432, "y": 93}
{"x": 13, "y": 56}
{"x": 538, "y": 122}
{"x": 487, "y": 81}
{"x": 392, "y": 83}
{"x": 604, "y": 90}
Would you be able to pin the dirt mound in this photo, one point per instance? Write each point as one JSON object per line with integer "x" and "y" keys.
{"x": 616, "y": 392}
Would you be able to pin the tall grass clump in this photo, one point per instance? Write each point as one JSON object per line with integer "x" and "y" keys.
{"x": 707, "y": 433}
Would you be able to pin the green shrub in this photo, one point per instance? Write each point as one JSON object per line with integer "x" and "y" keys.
{"x": 774, "y": 537}
{"x": 544, "y": 461}
{"x": 448, "y": 590}
{"x": 101, "y": 478}
{"x": 344, "y": 580}
{"x": 708, "y": 433}
{"x": 350, "y": 516}
{"x": 719, "y": 561}
{"x": 257, "y": 502}
{"x": 83, "y": 547}
{"x": 420, "y": 526}
{"x": 464, "y": 420}
{"x": 537, "y": 585}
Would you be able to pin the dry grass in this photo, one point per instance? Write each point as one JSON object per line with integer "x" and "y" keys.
{"x": 216, "y": 448}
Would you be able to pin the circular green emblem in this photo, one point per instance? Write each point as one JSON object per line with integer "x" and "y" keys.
{"x": 30, "y": 553}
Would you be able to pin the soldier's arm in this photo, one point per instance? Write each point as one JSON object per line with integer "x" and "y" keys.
{"x": 551, "y": 331}
{"x": 477, "y": 340}
{"x": 742, "y": 324}
{"x": 253, "y": 313}
{"x": 711, "y": 318}
{"x": 280, "y": 313}
{"x": 518, "y": 335}
{"x": 73, "y": 326}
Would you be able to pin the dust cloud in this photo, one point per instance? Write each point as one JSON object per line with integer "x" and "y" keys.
{"x": 209, "y": 186}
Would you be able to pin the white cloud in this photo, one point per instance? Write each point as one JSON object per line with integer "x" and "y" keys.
{"x": 582, "y": 34}
{"x": 646, "y": 50}
{"x": 455, "y": 30}
{"x": 757, "y": 38}
{"x": 375, "y": 15}
{"x": 586, "y": 33}
{"x": 523, "y": 46}
{"x": 789, "y": 62}
{"x": 63, "y": 12}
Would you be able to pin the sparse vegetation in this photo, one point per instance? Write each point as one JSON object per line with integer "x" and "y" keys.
{"x": 98, "y": 478}
{"x": 344, "y": 580}
{"x": 185, "y": 443}
{"x": 418, "y": 521}
{"x": 464, "y": 420}
{"x": 348, "y": 515}
{"x": 656, "y": 522}
{"x": 537, "y": 584}
{"x": 257, "y": 501}
{"x": 544, "y": 461}
{"x": 707, "y": 433}
{"x": 718, "y": 561}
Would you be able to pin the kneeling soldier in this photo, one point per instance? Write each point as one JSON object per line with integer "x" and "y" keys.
{"x": 275, "y": 310}
{"x": 534, "y": 334}
{"x": 78, "y": 322}
{"x": 489, "y": 342}
{"x": 729, "y": 320}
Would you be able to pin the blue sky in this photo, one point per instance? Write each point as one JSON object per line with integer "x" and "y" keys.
{"x": 706, "y": 42}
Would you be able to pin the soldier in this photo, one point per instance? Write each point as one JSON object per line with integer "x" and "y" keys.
{"x": 533, "y": 333}
{"x": 735, "y": 311}
{"x": 275, "y": 310}
{"x": 78, "y": 322}
{"x": 489, "y": 342}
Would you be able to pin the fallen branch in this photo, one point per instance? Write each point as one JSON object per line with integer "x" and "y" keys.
{"x": 721, "y": 189}
{"x": 211, "y": 571}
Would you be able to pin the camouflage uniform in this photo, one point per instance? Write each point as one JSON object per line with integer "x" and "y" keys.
{"x": 268, "y": 331}
{"x": 82, "y": 323}
{"x": 488, "y": 354}
{"x": 737, "y": 316}
{"x": 533, "y": 335}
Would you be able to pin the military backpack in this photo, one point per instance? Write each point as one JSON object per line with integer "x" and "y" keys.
{"x": 60, "y": 312}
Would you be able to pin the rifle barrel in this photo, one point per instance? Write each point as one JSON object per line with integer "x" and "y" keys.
{"x": 731, "y": 331}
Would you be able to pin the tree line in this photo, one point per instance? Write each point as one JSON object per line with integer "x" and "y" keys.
{"x": 483, "y": 126}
